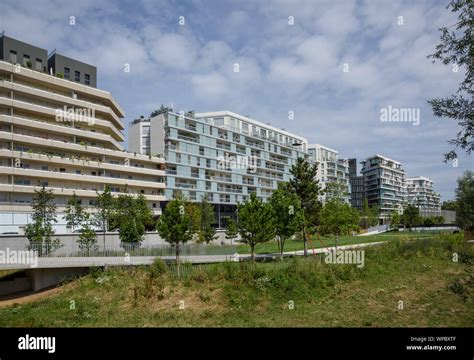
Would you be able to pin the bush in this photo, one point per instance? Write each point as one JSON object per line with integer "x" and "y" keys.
{"x": 158, "y": 267}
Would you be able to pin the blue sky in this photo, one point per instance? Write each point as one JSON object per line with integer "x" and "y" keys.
{"x": 282, "y": 67}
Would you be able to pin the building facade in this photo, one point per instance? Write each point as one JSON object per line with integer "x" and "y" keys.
{"x": 357, "y": 186}
{"x": 223, "y": 154}
{"x": 421, "y": 193}
{"x": 330, "y": 168}
{"x": 384, "y": 184}
{"x": 64, "y": 135}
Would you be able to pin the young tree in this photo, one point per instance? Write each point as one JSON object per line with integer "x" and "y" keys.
{"x": 256, "y": 224}
{"x": 207, "y": 232}
{"x": 194, "y": 212}
{"x": 287, "y": 215}
{"x": 304, "y": 184}
{"x": 336, "y": 190}
{"x": 465, "y": 204}
{"x": 87, "y": 238}
{"x": 449, "y": 205}
{"x": 175, "y": 225}
{"x": 40, "y": 231}
{"x": 369, "y": 216}
{"x": 104, "y": 210}
{"x": 231, "y": 230}
{"x": 132, "y": 216}
{"x": 411, "y": 216}
{"x": 457, "y": 48}
{"x": 75, "y": 214}
{"x": 395, "y": 220}
{"x": 338, "y": 218}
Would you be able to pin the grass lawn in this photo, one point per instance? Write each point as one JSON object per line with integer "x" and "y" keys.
{"x": 421, "y": 275}
{"x": 293, "y": 245}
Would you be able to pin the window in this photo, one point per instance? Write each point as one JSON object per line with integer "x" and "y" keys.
{"x": 87, "y": 79}
{"x": 26, "y": 60}
{"x": 39, "y": 65}
{"x": 77, "y": 76}
{"x": 13, "y": 57}
{"x": 67, "y": 73}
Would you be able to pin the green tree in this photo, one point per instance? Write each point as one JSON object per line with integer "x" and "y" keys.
{"x": 456, "y": 49}
{"x": 336, "y": 190}
{"x": 369, "y": 216}
{"x": 395, "y": 219}
{"x": 194, "y": 212}
{"x": 207, "y": 232}
{"x": 104, "y": 205}
{"x": 255, "y": 222}
{"x": 287, "y": 215}
{"x": 175, "y": 225}
{"x": 231, "y": 230}
{"x": 87, "y": 240}
{"x": 75, "y": 214}
{"x": 132, "y": 216}
{"x": 162, "y": 110}
{"x": 449, "y": 205}
{"x": 411, "y": 216}
{"x": 465, "y": 204}
{"x": 338, "y": 217}
{"x": 40, "y": 231}
{"x": 305, "y": 185}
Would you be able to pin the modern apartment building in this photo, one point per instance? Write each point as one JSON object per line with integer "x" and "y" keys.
{"x": 357, "y": 186}
{"x": 223, "y": 154}
{"x": 384, "y": 184}
{"x": 64, "y": 134}
{"x": 421, "y": 193}
{"x": 330, "y": 168}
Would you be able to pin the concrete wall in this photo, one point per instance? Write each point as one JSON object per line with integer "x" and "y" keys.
{"x": 15, "y": 285}
{"x": 112, "y": 242}
{"x": 23, "y": 49}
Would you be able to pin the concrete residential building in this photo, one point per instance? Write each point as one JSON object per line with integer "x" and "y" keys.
{"x": 64, "y": 135}
{"x": 421, "y": 193}
{"x": 384, "y": 184}
{"x": 223, "y": 154}
{"x": 330, "y": 168}
{"x": 357, "y": 186}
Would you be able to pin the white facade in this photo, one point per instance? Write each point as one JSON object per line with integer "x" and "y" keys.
{"x": 330, "y": 168}
{"x": 421, "y": 193}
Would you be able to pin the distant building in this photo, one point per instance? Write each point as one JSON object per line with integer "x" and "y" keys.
{"x": 384, "y": 184}
{"x": 222, "y": 154}
{"x": 357, "y": 186}
{"x": 330, "y": 168}
{"x": 420, "y": 193}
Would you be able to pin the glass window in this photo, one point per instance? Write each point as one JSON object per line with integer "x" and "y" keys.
{"x": 77, "y": 76}
{"x": 87, "y": 79}
{"x": 67, "y": 73}
{"x": 26, "y": 59}
{"x": 13, "y": 57}
{"x": 39, "y": 65}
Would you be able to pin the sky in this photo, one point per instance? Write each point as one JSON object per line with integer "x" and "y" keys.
{"x": 335, "y": 65}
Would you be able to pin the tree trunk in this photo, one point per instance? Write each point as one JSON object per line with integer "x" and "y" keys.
{"x": 337, "y": 238}
{"x": 282, "y": 243}
{"x": 252, "y": 255}
{"x": 305, "y": 244}
{"x": 178, "y": 264}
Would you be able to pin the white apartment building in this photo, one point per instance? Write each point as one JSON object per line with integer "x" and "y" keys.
{"x": 56, "y": 131}
{"x": 421, "y": 193}
{"x": 223, "y": 154}
{"x": 384, "y": 184}
{"x": 330, "y": 168}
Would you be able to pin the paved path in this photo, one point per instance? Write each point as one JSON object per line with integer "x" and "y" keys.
{"x": 77, "y": 262}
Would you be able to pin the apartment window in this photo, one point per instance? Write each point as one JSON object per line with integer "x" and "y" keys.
{"x": 87, "y": 79}
{"x": 26, "y": 59}
{"x": 62, "y": 170}
{"x": 13, "y": 57}
{"x": 44, "y": 167}
{"x": 78, "y": 172}
{"x": 77, "y": 76}
{"x": 67, "y": 73}
{"x": 39, "y": 65}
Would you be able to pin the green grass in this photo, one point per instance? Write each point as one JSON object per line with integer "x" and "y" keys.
{"x": 294, "y": 245}
{"x": 436, "y": 292}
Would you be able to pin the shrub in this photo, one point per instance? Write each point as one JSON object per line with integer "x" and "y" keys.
{"x": 158, "y": 267}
